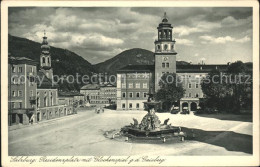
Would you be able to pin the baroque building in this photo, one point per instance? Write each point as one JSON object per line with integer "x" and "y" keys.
{"x": 130, "y": 82}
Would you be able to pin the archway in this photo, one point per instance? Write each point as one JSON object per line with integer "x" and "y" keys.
{"x": 38, "y": 117}
{"x": 193, "y": 106}
{"x": 184, "y": 106}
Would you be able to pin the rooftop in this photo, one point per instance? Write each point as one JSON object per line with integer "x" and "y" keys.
{"x": 43, "y": 82}
{"x": 90, "y": 87}
{"x": 137, "y": 68}
{"x": 69, "y": 94}
{"x": 21, "y": 60}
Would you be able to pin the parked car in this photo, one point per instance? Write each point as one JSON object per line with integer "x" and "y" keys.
{"x": 175, "y": 110}
{"x": 185, "y": 110}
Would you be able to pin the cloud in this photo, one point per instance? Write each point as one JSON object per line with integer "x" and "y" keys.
{"x": 185, "y": 30}
{"x": 98, "y": 33}
{"x": 222, "y": 40}
{"x": 243, "y": 40}
{"x": 202, "y": 26}
{"x": 230, "y": 21}
{"x": 184, "y": 42}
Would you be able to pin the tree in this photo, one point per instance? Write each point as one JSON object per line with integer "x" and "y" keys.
{"x": 215, "y": 90}
{"x": 230, "y": 90}
{"x": 171, "y": 90}
{"x": 241, "y": 85}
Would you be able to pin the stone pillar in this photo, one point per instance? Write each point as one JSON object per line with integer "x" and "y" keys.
{"x": 189, "y": 106}
{"x": 180, "y": 106}
{"x": 25, "y": 119}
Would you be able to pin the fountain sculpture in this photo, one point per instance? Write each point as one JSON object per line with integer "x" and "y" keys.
{"x": 151, "y": 127}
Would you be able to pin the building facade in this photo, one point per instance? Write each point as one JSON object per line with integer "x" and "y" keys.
{"x": 134, "y": 83}
{"x": 99, "y": 93}
{"x": 21, "y": 89}
{"x": 32, "y": 96}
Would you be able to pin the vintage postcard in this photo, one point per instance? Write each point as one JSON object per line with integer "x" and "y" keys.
{"x": 127, "y": 83}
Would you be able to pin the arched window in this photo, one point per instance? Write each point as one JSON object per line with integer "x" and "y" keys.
{"x": 48, "y": 60}
{"x": 158, "y": 47}
{"x": 172, "y": 47}
{"x": 165, "y": 47}
{"x": 43, "y": 59}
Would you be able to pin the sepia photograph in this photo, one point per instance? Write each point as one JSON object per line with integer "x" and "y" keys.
{"x": 129, "y": 85}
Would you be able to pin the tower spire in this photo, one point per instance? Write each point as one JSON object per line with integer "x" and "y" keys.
{"x": 44, "y": 33}
{"x": 165, "y": 19}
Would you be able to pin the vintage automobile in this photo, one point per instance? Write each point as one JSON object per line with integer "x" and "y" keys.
{"x": 185, "y": 110}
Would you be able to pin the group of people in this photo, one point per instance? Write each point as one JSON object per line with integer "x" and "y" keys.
{"x": 99, "y": 110}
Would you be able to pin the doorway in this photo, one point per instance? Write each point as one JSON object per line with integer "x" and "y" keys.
{"x": 38, "y": 117}
{"x": 193, "y": 106}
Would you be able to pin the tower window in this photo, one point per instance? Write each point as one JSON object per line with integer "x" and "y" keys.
{"x": 130, "y": 95}
{"x": 158, "y": 47}
{"x": 13, "y": 69}
{"x": 43, "y": 60}
{"x": 20, "y": 69}
{"x": 163, "y": 65}
{"x": 145, "y": 85}
{"x": 167, "y": 65}
{"x": 48, "y": 60}
{"x": 130, "y": 105}
{"x": 137, "y": 105}
{"x": 138, "y": 94}
{"x": 197, "y": 85}
{"x": 189, "y": 85}
{"x": 165, "y": 47}
{"x": 123, "y": 94}
{"x": 172, "y": 47}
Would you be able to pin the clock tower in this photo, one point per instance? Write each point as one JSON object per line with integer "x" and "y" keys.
{"x": 165, "y": 55}
{"x": 45, "y": 58}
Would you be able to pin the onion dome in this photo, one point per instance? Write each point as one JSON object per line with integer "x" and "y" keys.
{"x": 45, "y": 47}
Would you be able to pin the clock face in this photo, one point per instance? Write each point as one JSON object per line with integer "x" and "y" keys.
{"x": 165, "y": 58}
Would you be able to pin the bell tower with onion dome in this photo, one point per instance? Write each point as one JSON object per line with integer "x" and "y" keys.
{"x": 165, "y": 54}
{"x": 45, "y": 58}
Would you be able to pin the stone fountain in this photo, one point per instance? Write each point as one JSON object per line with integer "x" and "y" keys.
{"x": 151, "y": 127}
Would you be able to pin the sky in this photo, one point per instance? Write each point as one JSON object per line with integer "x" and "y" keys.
{"x": 213, "y": 35}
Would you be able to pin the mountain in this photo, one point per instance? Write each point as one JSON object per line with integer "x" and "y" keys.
{"x": 64, "y": 62}
{"x": 135, "y": 56}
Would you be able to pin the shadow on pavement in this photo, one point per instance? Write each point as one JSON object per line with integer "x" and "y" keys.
{"x": 230, "y": 140}
{"x": 231, "y": 117}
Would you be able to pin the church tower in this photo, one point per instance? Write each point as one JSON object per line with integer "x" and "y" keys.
{"x": 45, "y": 58}
{"x": 165, "y": 55}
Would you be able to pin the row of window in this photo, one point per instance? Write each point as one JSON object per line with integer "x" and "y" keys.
{"x": 21, "y": 80}
{"x": 13, "y": 105}
{"x": 43, "y": 59}
{"x": 190, "y": 85}
{"x": 197, "y": 95}
{"x": 165, "y": 47}
{"x": 137, "y": 85}
{"x": 131, "y": 105}
{"x": 19, "y": 93}
{"x": 20, "y": 69}
{"x": 110, "y": 90}
{"x": 165, "y": 65}
{"x": 195, "y": 76}
{"x": 99, "y": 102}
{"x": 131, "y": 94}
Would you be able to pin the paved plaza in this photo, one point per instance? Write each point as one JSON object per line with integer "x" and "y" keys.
{"x": 82, "y": 135}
